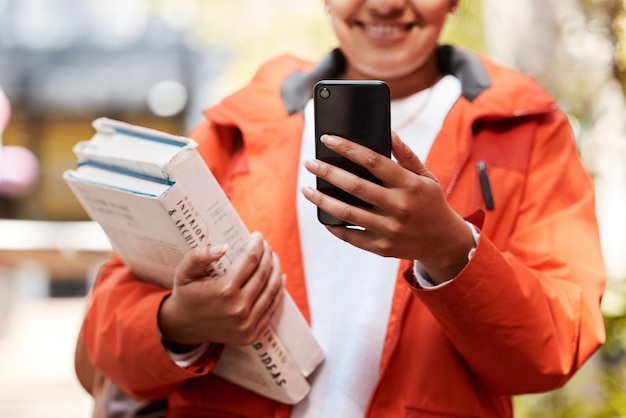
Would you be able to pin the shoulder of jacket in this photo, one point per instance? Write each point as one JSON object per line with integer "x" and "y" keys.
{"x": 513, "y": 93}
{"x": 261, "y": 97}
{"x": 491, "y": 90}
{"x": 277, "y": 69}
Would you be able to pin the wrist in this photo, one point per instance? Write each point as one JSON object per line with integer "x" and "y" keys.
{"x": 171, "y": 328}
{"x": 450, "y": 262}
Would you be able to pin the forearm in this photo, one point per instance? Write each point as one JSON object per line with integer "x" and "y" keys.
{"x": 533, "y": 324}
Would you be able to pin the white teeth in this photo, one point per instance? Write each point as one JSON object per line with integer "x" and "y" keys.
{"x": 384, "y": 30}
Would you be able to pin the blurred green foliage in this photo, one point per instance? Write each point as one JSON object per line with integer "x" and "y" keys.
{"x": 464, "y": 27}
{"x": 617, "y": 15}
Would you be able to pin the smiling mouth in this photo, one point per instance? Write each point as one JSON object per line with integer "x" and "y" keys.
{"x": 385, "y": 30}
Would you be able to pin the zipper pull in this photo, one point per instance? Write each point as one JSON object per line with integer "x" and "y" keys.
{"x": 484, "y": 184}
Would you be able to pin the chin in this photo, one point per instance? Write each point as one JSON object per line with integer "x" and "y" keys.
{"x": 385, "y": 72}
{"x": 387, "y": 64}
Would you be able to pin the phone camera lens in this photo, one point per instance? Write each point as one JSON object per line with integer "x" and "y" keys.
{"x": 324, "y": 93}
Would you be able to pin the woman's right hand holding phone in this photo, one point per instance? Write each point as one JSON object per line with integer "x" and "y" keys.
{"x": 233, "y": 308}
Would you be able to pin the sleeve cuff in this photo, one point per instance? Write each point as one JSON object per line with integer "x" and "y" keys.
{"x": 422, "y": 276}
{"x": 188, "y": 358}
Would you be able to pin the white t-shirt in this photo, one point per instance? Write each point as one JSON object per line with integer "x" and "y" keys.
{"x": 349, "y": 289}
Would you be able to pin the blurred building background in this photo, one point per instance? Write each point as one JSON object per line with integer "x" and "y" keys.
{"x": 158, "y": 63}
{"x": 64, "y": 63}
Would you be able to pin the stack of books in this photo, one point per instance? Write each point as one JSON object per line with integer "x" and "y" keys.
{"x": 155, "y": 198}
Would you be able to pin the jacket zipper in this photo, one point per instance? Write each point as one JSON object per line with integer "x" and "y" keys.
{"x": 455, "y": 176}
{"x": 485, "y": 187}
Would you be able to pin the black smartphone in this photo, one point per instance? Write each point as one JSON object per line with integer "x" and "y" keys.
{"x": 357, "y": 110}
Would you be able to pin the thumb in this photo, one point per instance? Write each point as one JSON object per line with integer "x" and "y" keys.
{"x": 197, "y": 263}
{"x": 408, "y": 159}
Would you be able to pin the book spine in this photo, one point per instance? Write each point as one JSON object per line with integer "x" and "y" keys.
{"x": 112, "y": 127}
{"x": 301, "y": 345}
{"x": 265, "y": 367}
{"x": 272, "y": 354}
{"x": 273, "y": 372}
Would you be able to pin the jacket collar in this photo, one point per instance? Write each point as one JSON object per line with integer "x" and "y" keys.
{"x": 297, "y": 88}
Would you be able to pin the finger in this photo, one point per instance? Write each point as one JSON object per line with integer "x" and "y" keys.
{"x": 270, "y": 298}
{"x": 354, "y": 215}
{"x": 248, "y": 261}
{"x": 250, "y": 299}
{"x": 378, "y": 196}
{"x": 196, "y": 262}
{"x": 380, "y": 166}
{"x": 251, "y": 315}
{"x": 407, "y": 158}
{"x": 356, "y": 237}
{"x": 367, "y": 239}
{"x": 258, "y": 279}
{"x": 345, "y": 180}
{"x": 267, "y": 316}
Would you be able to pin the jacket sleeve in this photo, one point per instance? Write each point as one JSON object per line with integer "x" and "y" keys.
{"x": 122, "y": 337}
{"x": 525, "y": 316}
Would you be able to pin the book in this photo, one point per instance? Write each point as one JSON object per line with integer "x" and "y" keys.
{"x": 155, "y": 198}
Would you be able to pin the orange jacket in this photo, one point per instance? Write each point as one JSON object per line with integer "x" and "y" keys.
{"x": 522, "y": 316}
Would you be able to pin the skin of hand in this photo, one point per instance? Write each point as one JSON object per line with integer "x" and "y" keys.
{"x": 411, "y": 218}
{"x": 233, "y": 308}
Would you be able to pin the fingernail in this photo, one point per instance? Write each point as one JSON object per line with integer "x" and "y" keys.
{"x": 329, "y": 139}
{"x": 218, "y": 249}
{"x": 311, "y": 164}
{"x": 255, "y": 237}
{"x": 307, "y": 192}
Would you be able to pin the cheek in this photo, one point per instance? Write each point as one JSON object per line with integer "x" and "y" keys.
{"x": 340, "y": 13}
{"x": 429, "y": 6}
{"x": 342, "y": 8}
{"x": 433, "y": 13}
